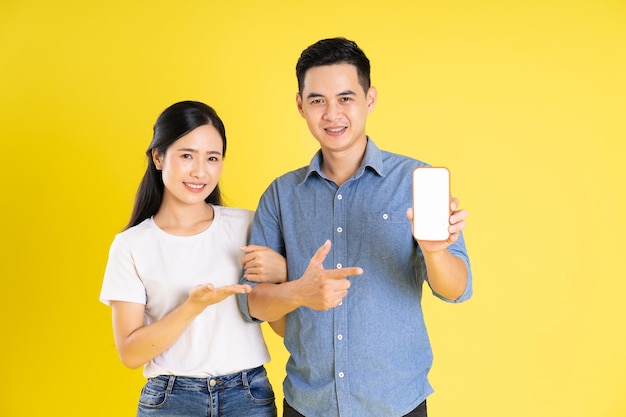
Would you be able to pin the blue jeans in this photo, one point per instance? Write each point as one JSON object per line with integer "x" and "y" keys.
{"x": 242, "y": 394}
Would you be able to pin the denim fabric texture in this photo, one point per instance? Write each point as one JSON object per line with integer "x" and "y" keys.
{"x": 242, "y": 394}
{"x": 371, "y": 355}
{"x": 420, "y": 411}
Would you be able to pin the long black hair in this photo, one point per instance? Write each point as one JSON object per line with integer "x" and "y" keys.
{"x": 174, "y": 122}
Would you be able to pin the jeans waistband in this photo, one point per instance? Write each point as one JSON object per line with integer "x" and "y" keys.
{"x": 189, "y": 382}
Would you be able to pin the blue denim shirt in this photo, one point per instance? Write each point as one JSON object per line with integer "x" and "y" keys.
{"x": 371, "y": 355}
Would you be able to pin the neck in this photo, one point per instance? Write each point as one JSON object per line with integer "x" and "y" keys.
{"x": 181, "y": 219}
{"x": 340, "y": 166}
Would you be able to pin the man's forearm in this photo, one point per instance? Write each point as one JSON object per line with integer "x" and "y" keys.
{"x": 447, "y": 274}
{"x": 271, "y": 302}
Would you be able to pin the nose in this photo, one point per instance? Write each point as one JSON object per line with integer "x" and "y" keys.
{"x": 332, "y": 111}
{"x": 197, "y": 168}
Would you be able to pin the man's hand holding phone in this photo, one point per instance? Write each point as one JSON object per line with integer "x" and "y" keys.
{"x": 436, "y": 219}
{"x": 456, "y": 225}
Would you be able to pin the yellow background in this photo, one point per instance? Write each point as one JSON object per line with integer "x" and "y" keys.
{"x": 523, "y": 101}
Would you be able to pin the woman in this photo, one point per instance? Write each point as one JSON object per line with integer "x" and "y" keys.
{"x": 171, "y": 274}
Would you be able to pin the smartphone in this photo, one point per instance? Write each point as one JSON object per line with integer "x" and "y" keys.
{"x": 431, "y": 203}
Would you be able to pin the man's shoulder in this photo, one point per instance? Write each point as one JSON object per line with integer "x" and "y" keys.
{"x": 295, "y": 176}
{"x": 398, "y": 158}
{"x": 396, "y": 165}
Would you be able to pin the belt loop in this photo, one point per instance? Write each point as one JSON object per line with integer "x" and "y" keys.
{"x": 170, "y": 383}
{"x": 244, "y": 379}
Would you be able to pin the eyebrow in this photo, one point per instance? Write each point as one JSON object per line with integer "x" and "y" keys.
{"x": 191, "y": 150}
{"x": 343, "y": 93}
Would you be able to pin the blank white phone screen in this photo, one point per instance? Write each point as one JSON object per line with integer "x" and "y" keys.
{"x": 431, "y": 203}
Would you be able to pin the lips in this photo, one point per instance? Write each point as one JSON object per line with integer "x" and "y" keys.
{"x": 335, "y": 131}
{"x": 194, "y": 187}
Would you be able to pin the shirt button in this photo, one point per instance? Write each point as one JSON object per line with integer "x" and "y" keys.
{"x": 339, "y": 197}
{"x": 385, "y": 216}
{"x": 341, "y": 375}
{"x": 212, "y": 383}
{"x": 340, "y": 336}
{"x": 339, "y": 230}
{"x": 339, "y": 266}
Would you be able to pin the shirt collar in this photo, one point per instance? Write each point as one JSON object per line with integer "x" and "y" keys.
{"x": 373, "y": 159}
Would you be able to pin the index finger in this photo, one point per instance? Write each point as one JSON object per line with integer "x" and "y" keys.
{"x": 454, "y": 203}
{"x": 409, "y": 213}
{"x": 320, "y": 253}
{"x": 350, "y": 271}
{"x": 234, "y": 289}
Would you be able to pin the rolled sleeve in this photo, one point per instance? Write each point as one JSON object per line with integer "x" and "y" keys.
{"x": 459, "y": 250}
{"x": 265, "y": 232}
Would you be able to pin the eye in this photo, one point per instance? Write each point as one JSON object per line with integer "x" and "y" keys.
{"x": 213, "y": 159}
{"x": 186, "y": 156}
{"x": 317, "y": 101}
{"x": 345, "y": 99}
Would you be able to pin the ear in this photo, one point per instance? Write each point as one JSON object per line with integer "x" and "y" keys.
{"x": 371, "y": 97}
{"x": 299, "y": 104}
{"x": 157, "y": 158}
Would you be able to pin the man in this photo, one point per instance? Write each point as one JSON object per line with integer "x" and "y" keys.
{"x": 356, "y": 335}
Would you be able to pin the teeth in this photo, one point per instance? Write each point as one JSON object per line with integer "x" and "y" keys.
{"x": 195, "y": 186}
{"x": 339, "y": 129}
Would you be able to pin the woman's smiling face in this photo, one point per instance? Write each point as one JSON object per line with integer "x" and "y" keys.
{"x": 191, "y": 166}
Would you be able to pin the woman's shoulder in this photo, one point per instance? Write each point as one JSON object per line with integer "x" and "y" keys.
{"x": 234, "y": 213}
{"x": 137, "y": 231}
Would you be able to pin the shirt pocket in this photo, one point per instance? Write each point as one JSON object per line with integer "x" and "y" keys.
{"x": 383, "y": 234}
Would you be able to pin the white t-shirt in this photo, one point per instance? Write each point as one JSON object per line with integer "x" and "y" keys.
{"x": 149, "y": 266}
